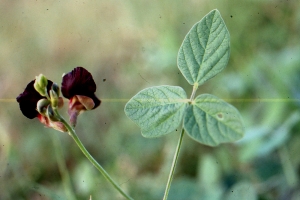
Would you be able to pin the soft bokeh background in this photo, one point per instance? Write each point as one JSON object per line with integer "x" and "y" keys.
{"x": 131, "y": 45}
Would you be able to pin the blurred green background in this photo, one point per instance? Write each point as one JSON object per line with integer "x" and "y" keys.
{"x": 131, "y": 45}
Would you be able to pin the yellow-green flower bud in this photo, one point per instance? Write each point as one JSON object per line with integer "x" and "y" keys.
{"x": 40, "y": 84}
{"x": 42, "y": 106}
{"x": 54, "y": 99}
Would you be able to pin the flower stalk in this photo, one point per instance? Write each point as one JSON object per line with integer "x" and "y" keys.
{"x": 73, "y": 134}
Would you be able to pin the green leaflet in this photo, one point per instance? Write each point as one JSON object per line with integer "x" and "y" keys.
{"x": 211, "y": 121}
{"x": 205, "y": 49}
{"x": 157, "y": 110}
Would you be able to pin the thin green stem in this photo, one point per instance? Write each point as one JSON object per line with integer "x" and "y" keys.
{"x": 73, "y": 134}
{"x": 195, "y": 87}
{"x": 175, "y": 159}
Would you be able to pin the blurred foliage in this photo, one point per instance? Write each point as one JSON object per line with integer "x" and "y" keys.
{"x": 131, "y": 45}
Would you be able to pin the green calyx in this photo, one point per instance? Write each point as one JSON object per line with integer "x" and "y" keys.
{"x": 42, "y": 105}
{"x": 55, "y": 89}
{"x": 51, "y": 115}
{"x": 54, "y": 95}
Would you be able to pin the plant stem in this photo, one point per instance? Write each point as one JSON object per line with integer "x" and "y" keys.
{"x": 195, "y": 87}
{"x": 175, "y": 159}
{"x": 73, "y": 134}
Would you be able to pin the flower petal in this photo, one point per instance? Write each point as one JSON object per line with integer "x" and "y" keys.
{"x": 87, "y": 102}
{"x": 79, "y": 104}
{"x": 78, "y": 82}
{"x": 52, "y": 124}
{"x": 29, "y": 98}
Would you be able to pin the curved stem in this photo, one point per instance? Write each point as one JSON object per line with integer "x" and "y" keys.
{"x": 73, "y": 134}
{"x": 175, "y": 159}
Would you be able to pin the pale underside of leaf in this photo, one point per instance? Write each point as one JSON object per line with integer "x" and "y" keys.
{"x": 157, "y": 110}
{"x": 205, "y": 50}
{"x": 211, "y": 121}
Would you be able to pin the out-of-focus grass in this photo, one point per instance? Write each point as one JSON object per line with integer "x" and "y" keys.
{"x": 133, "y": 45}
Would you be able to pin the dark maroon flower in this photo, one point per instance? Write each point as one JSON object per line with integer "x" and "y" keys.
{"x": 29, "y": 98}
{"x": 80, "y": 87}
{"x": 28, "y": 105}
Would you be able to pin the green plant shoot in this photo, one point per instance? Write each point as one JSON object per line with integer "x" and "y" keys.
{"x": 207, "y": 119}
